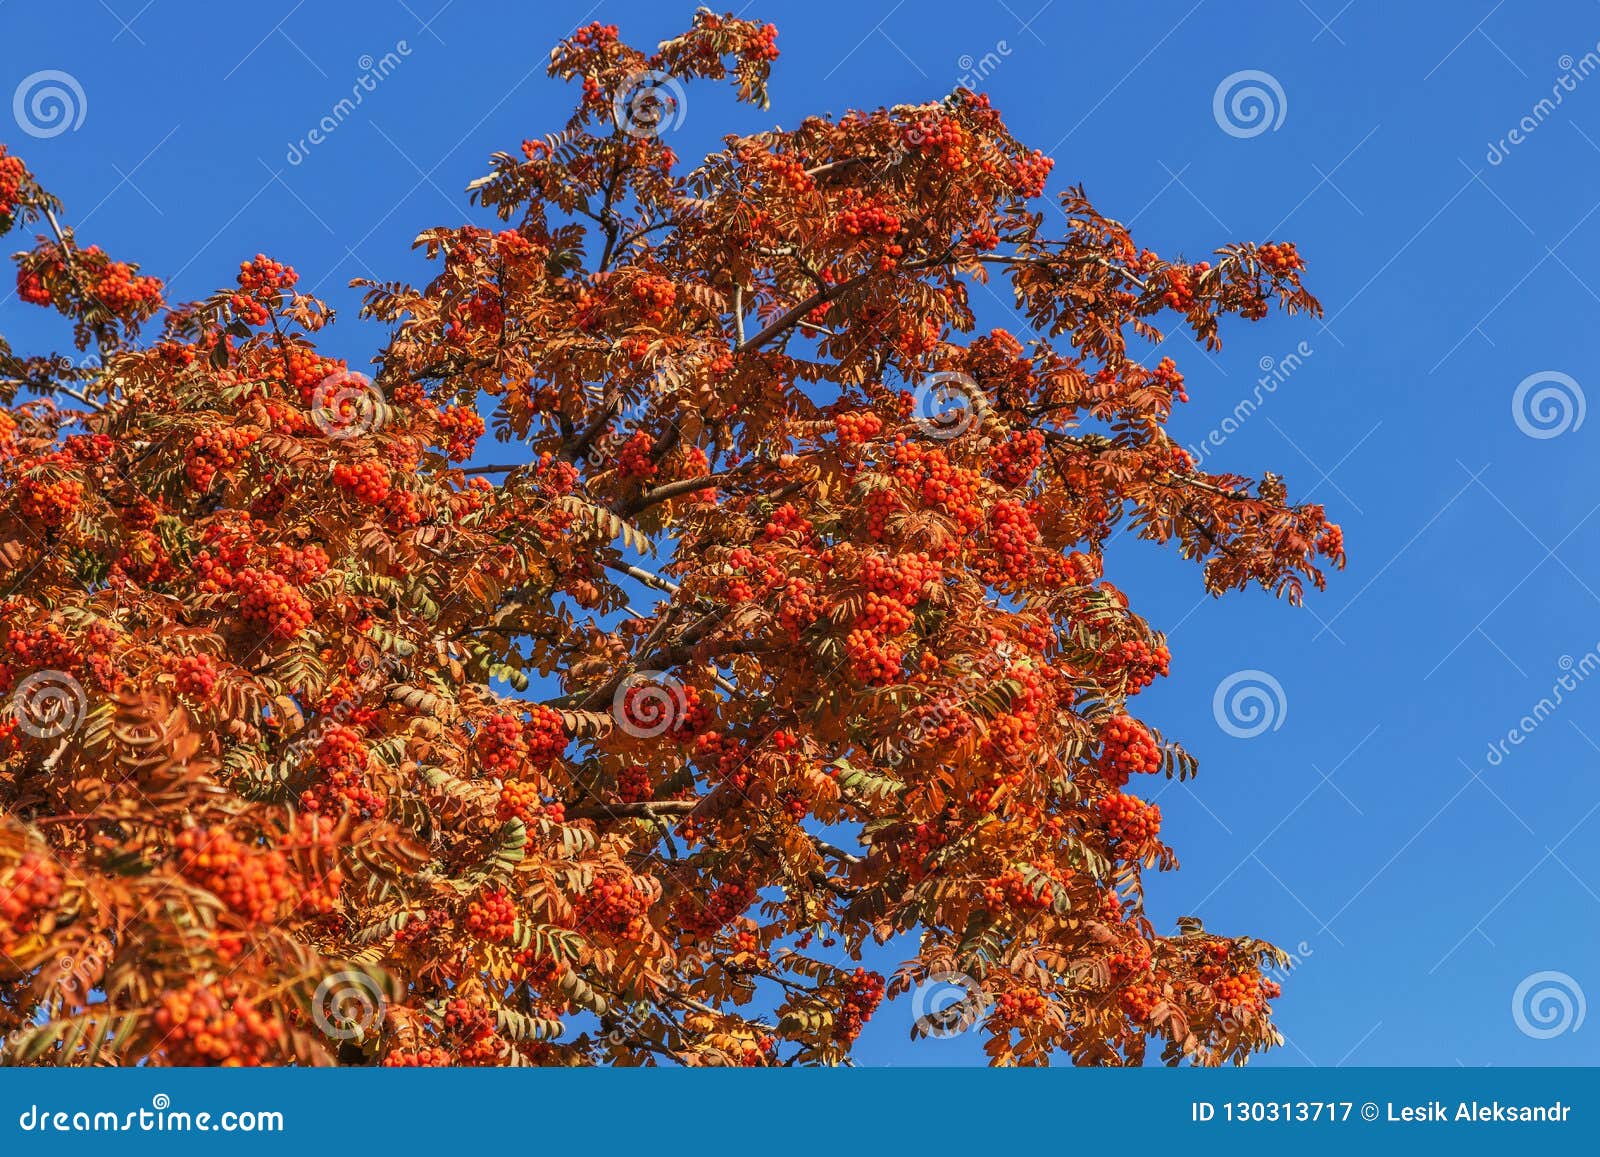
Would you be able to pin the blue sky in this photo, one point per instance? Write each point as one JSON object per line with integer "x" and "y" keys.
{"x": 1420, "y": 882}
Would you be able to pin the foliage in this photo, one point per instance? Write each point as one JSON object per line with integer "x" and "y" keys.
{"x": 784, "y": 632}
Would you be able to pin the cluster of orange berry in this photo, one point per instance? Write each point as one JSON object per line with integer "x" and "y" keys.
{"x": 33, "y": 887}
{"x": 252, "y": 882}
{"x": 49, "y": 501}
{"x": 520, "y": 799}
{"x": 13, "y": 174}
{"x": 1182, "y": 284}
{"x": 1010, "y": 891}
{"x": 259, "y": 283}
{"x": 1137, "y": 662}
{"x": 633, "y": 784}
{"x": 341, "y": 779}
{"x": 862, "y": 992}
{"x": 459, "y": 431}
{"x": 1280, "y": 257}
{"x": 368, "y": 481}
{"x": 869, "y": 219}
{"x": 1012, "y": 535}
{"x": 1020, "y": 1007}
{"x": 1138, "y": 1001}
{"x": 431, "y": 1057}
{"x": 493, "y": 915}
{"x": 1018, "y": 457}
{"x": 194, "y": 675}
{"x": 212, "y": 451}
{"x": 614, "y": 907}
{"x": 928, "y": 474}
{"x": 273, "y": 603}
{"x": 197, "y": 1028}
{"x": 1130, "y": 819}
{"x": 1127, "y": 748}
{"x": 702, "y": 919}
{"x": 654, "y": 295}
{"x": 854, "y": 427}
{"x": 763, "y": 45}
{"x": 633, "y": 460}
{"x": 1244, "y": 990}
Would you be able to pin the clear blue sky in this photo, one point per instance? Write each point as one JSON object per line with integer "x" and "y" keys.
{"x": 1420, "y": 882}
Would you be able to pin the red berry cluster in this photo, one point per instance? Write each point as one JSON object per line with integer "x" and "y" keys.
{"x": 702, "y": 919}
{"x": 633, "y": 784}
{"x": 212, "y": 451}
{"x": 459, "y": 431}
{"x": 927, "y": 472}
{"x": 493, "y": 915}
{"x": 1244, "y": 990}
{"x": 1012, "y": 535}
{"x": 49, "y": 501}
{"x": 614, "y": 907}
{"x": 271, "y": 602}
{"x": 252, "y": 882}
{"x": 194, "y": 675}
{"x": 1138, "y": 1001}
{"x": 520, "y": 800}
{"x": 1183, "y": 284}
{"x": 117, "y": 286}
{"x": 868, "y": 220}
{"x": 198, "y": 1026}
{"x": 422, "y": 1058}
{"x": 1130, "y": 819}
{"x": 761, "y": 46}
{"x": 33, "y": 887}
{"x": 654, "y": 296}
{"x": 1137, "y": 662}
{"x": 1018, "y": 1008}
{"x": 854, "y": 427}
{"x": 368, "y": 481}
{"x": 341, "y": 777}
{"x": 1019, "y": 456}
{"x": 862, "y": 992}
{"x": 13, "y": 175}
{"x": 259, "y": 284}
{"x": 1127, "y": 748}
{"x": 633, "y": 460}
{"x": 1280, "y": 257}
{"x": 1010, "y": 891}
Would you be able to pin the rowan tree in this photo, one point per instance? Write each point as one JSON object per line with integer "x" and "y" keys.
{"x": 777, "y": 628}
